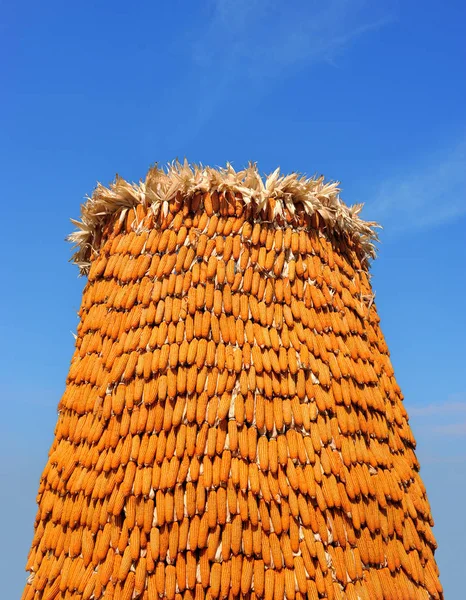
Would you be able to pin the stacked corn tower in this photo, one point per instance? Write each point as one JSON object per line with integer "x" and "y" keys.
{"x": 231, "y": 425}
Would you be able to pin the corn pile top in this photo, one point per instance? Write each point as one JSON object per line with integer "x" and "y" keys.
{"x": 231, "y": 425}
{"x": 279, "y": 199}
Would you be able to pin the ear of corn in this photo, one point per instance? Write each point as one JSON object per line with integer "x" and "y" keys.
{"x": 231, "y": 425}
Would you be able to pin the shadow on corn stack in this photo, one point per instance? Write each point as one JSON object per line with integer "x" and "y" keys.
{"x": 231, "y": 425}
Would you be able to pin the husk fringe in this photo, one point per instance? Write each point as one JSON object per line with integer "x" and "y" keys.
{"x": 276, "y": 192}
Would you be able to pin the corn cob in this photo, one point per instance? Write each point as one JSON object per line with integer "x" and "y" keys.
{"x": 229, "y": 399}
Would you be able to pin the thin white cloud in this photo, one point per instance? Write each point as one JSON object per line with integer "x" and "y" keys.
{"x": 427, "y": 196}
{"x": 446, "y": 419}
{"x": 442, "y": 460}
{"x": 451, "y": 429}
{"x": 440, "y": 408}
{"x": 248, "y": 47}
{"x": 258, "y": 38}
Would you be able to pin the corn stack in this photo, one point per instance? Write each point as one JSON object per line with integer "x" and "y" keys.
{"x": 231, "y": 425}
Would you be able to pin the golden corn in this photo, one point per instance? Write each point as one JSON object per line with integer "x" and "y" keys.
{"x": 231, "y": 399}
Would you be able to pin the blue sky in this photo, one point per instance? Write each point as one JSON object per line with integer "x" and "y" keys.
{"x": 368, "y": 93}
